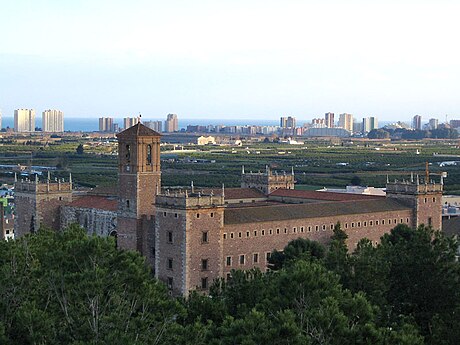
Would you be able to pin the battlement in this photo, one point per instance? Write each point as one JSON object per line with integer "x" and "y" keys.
{"x": 188, "y": 200}
{"x": 413, "y": 188}
{"x": 42, "y": 187}
{"x": 267, "y": 181}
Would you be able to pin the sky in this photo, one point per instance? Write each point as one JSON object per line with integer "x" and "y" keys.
{"x": 231, "y": 59}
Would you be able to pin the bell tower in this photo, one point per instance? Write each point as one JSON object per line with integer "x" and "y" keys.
{"x": 139, "y": 178}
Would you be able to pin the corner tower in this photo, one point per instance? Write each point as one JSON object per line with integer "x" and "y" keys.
{"x": 139, "y": 177}
{"x": 267, "y": 182}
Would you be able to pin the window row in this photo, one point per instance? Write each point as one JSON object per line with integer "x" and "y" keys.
{"x": 204, "y": 237}
{"x": 204, "y": 264}
{"x": 176, "y": 215}
{"x": 242, "y": 259}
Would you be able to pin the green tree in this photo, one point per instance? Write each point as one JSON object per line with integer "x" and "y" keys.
{"x": 300, "y": 248}
{"x": 337, "y": 258}
{"x": 80, "y": 149}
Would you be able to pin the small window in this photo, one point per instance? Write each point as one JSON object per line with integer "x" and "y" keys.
{"x": 204, "y": 237}
{"x": 285, "y": 230}
{"x": 198, "y": 215}
{"x": 229, "y": 276}
{"x": 383, "y": 221}
{"x": 434, "y": 199}
{"x": 346, "y": 225}
{"x": 426, "y": 200}
{"x": 231, "y": 235}
{"x": 371, "y": 223}
{"x": 263, "y": 232}
{"x": 401, "y": 220}
{"x": 170, "y": 237}
{"x": 352, "y": 224}
{"x": 316, "y": 228}
{"x": 324, "y": 227}
{"x": 164, "y": 213}
{"x": 240, "y": 235}
{"x": 267, "y": 256}
{"x": 128, "y": 152}
{"x": 301, "y": 229}
{"x": 332, "y": 226}
{"x": 228, "y": 261}
{"x": 271, "y": 231}
{"x": 364, "y": 223}
{"x": 204, "y": 283}
{"x": 255, "y": 233}
{"x": 176, "y": 215}
{"x": 294, "y": 230}
{"x": 376, "y": 222}
{"x": 247, "y": 233}
{"x": 407, "y": 220}
{"x": 170, "y": 283}
{"x": 242, "y": 259}
{"x": 204, "y": 264}
{"x": 309, "y": 229}
{"x": 278, "y": 231}
{"x": 255, "y": 258}
{"x": 170, "y": 264}
{"x": 149, "y": 154}
{"x": 225, "y": 236}
{"x": 212, "y": 214}
{"x": 127, "y": 204}
{"x": 395, "y": 221}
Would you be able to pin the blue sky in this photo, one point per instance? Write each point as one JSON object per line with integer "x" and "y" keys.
{"x": 231, "y": 59}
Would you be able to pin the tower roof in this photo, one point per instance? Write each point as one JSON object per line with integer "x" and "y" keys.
{"x": 138, "y": 130}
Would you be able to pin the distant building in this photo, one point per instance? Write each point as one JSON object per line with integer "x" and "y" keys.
{"x": 1, "y": 119}
{"x": 417, "y": 122}
{"x": 454, "y": 123}
{"x": 53, "y": 121}
{"x": 129, "y": 122}
{"x": 346, "y": 121}
{"x": 318, "y": 123}
{"x": 24, "y": 120}
{"x": 357, "y": 127}
{"x": 433, "y": 123}
{"x": 157, "y": 126}
{"x": 326, "y": 132}
{"x": 171, "y": 123}
{"x": 288, "y": 122}
{"x": 329, "y": 120}
{"x": 106, "y": 124}
{"x": 206, "y": 140}
{"x": 370, "y": 123}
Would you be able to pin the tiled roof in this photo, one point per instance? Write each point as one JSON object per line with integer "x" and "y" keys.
{"x": 451, "y": 227}
{"x": 93, "y": 201}
{"x": 314, "y": 195}
{"x": 311, "y": 210}
{"x": 138, "y": 130}
{"x": 105, "y": 191}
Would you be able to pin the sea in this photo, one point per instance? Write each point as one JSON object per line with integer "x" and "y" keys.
{"x": 91, "y": 124}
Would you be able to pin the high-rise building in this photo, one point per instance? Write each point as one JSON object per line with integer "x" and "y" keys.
{"x": 357, "y": 127}
{"x": 329, "y": 119}
{"x": 417, "y": 122}
{"x": 433, "y": 123}
{"x": 370, "y": 123}
{"x": 454, "y": 123}
{"x": 129, "y": 122}
{"x": 24, "y": 120}
{"x": 346, "y": 121}
{"x": 52, "y": 121}
{"x": 1, "y": 119}
{"x": 288, "y": 122}
{"x": 171, "y": 123}
{"x": 318, "y": 123}
{"x": 106, "y": 124}
{"x": 157, "y": 126}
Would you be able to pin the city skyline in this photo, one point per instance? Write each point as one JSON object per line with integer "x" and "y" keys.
{"x": 279, "y": 60}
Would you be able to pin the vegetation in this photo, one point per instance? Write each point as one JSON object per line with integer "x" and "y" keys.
{"x": 67, "y": 288}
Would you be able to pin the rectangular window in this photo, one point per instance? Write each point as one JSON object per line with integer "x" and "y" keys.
{"x": 255, "y": 233}
{"x": 383, "y": 221}
{"x": 212, "y": 214}
{"x": 255, "y": 258}
{"x": 267, "y": 256}
{"x": 324, "y": 227}
{"x": 371, "y": 223}
{"x": 247, "y": 234}
{"x": 309, "y": 229}
{"x": 239, "y": 234}
{"x": 376, "y": 222}
{"x": 352, "y": 224}
{"x": 317, "y": 228}
{"x": 228, "y": 261}
{"x": 271, "y": 231}
{"x": 242, "y": 259}
{"x": 164, "y": 213}
{"x": 346, "y": 225}
{"x": 278, "y": 231}
{"x": 332, "y": 226}
{"x": 231, "y": 235}
{"x": 225, "y": 236}
{"x": 285, "y": 230}
{"x": 170, "y": 237}
{"x": 365, "y": 224}
{"x": 204, "y": 237}
{"x": 301, "y": 229}
{"x": 294, "y": 230}
{"x": 263, "y": 232}
{"x": 204, "y": 264}
{"x": 204, "y": 283}
{"x": 198, "y": 215}
{"x": 170, "y": 283}
{"x": 175, "y": 215}
{"x": 170, "y": 264}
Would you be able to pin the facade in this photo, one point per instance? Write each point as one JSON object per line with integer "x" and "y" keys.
{"x": 171, "y": 123}
{"x": 433, "y": 123}
{"x": 24, "y": 120}
{"x": 329, "y": 120}
{"x": 53, "y": 121}
{"x": 370, "y": 123}
{"x": 129, "y": 122}
{"x": 106, "y": 124}
{"x": 192, "y": 236}
{"x": 288, "y": 122}
{"x": 346, "y": 122}
{"x": 417, "y": 122}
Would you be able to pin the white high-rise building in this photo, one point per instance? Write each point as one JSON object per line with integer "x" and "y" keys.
{"x": 370, "y": 123}
{"x": 24, "y": 120}
{"x": 346, "y": 122}
{"x": 129, "y": 122}
{"x": 171, "y": 123}
{"x": 157, "y": 126}
{"x": 52, "y": 121}
{"x": 106, "y": 124}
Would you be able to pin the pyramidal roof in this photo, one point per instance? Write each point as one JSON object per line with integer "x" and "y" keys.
{"x": 138, "y": 130}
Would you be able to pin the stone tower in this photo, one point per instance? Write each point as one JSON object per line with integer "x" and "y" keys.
{"x": 139, "y": 178}
{"x": 267, "y": 181}
{"x": 188, "y": 240}
{"x": 425, "y": 198}
{"x": 39, "y": 204}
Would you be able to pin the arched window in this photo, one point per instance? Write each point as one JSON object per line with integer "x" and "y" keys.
{"x": 149, "y": 154}
{"x": 128, "y": 152}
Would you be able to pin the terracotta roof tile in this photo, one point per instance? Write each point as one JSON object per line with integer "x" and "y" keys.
{"x": 311, "y": 210}
{"x": 93, "y": 201}
{"x": 314, "y": 195}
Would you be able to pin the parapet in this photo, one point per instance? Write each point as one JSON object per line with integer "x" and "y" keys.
{"x": 189, "y": 200}
{"x": 39, "y": 187}
{"x": 413, "y": 188}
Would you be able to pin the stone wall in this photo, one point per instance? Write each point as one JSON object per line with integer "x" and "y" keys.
{"x": 95, "y": 221}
